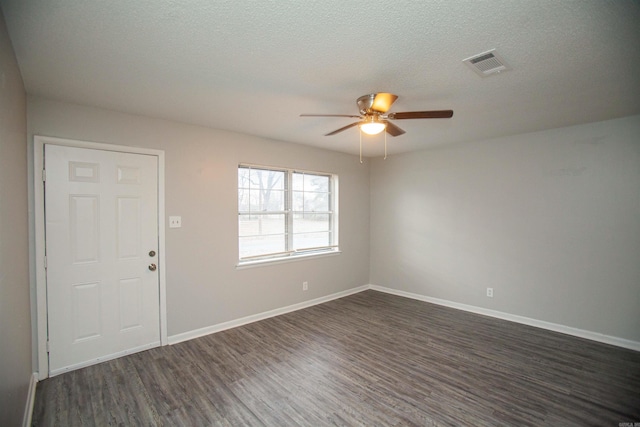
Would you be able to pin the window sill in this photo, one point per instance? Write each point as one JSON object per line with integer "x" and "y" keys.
{"x": 263, "y": 262}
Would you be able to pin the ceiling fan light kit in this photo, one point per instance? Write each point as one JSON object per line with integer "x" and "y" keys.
{"x": 372, "y": 126}
{"x": 374, "y": 118}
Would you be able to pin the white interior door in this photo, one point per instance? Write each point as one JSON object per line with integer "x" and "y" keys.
{"x": 101, "y": 249}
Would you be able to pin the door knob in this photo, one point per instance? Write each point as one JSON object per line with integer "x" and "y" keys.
{"x": 152, "y": 267}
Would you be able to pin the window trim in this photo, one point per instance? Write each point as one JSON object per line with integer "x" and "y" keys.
{"x": 293, "y": 255}
{"x": 282, "y": 260}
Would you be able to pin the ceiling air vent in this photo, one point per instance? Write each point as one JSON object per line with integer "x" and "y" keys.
{"x": 487, "y": 63}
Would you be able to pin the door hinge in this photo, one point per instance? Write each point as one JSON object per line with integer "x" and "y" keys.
{"x": 44, "y": 175}
{"x": 45, "y": 261}
{"x": 48, "y": 347}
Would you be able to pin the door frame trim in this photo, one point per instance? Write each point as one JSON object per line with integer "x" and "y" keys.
{"x": 39, "y": 235}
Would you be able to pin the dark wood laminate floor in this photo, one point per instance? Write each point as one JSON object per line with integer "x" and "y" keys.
{"x": 368, "y": 359}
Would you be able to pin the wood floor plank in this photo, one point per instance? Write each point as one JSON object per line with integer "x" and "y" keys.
{"x": 367, "y": 359}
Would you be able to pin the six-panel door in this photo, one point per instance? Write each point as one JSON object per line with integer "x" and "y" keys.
{"x": 101, "y": 242}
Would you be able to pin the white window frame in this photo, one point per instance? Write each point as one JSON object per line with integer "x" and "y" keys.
{"x": 291, "y": 254}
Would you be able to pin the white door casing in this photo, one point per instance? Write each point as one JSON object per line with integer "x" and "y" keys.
{"x": 102, "y": 216}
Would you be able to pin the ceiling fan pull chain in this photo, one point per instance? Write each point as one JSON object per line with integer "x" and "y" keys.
{"x": 360, "y": 145}
{"x": 385, "y": 146}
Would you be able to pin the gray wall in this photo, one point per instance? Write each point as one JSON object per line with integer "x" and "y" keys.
{"x": 550, "y": 220}
{"x": 15, "y": 318}
{"x": 204, "y": 287}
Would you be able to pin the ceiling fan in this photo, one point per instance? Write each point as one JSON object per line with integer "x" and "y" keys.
{"x": 374, "y": 116}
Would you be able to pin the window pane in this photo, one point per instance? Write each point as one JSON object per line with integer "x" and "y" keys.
{"x": 311, "y": 240}
{"x": 261, "y": 224}
{"x": 310, "y": 222}
{"x": 253, "y": 246}
{"x": 266, "y": 190}
{"x": 297, "y": 201}
{"x": 265, "y": 200}
{"x": 310, "y": 182}
{"x": 316, "y": 202}
{"x": 298, "y": 181}
{"x": 310, "y": 202}
{"x": 254, "y": 200}
{"x": 243, "y": 200}
{"x": 273, "y": 200}
{"x": 316, "y": 183}
{"x": 243, "y": 177}
{"x": 267, "y": 179}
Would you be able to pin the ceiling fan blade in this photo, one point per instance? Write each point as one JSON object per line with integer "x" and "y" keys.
{"x": 329, "y": 115}
{"x": 441, "y": 114}
{"x": 383, "y": 101}
{"x": 393, "y": 130}
{"x": 343, "y": 128}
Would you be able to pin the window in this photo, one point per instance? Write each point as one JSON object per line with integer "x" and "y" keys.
{"x": 285, "y": 213}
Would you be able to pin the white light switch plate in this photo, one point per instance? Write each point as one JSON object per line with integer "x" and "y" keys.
{"x": 175, "y": 221}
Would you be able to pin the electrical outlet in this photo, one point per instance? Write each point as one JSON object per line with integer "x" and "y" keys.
{"x": 175, "y": 221}
{"x": 305, "y": 286}
{"x": 490, "y": 292}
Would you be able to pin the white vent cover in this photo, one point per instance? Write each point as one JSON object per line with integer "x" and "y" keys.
{"x": 487, "y": 63}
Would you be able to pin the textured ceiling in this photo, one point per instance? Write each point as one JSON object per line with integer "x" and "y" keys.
{"x": 254, "y": 66}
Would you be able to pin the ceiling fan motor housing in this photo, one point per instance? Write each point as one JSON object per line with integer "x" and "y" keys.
{"x": 365, "y": 104}
{"x": 376, "y": 103}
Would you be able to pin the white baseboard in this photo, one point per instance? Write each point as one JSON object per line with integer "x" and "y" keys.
{"x": 594, "y": 336}
{"x": 185, "y": 336}
{"x": 581, "y": 333}
{"x": 31, "y": 399}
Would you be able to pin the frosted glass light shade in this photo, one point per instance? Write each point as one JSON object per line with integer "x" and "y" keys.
{"x": 373, "y": 128}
